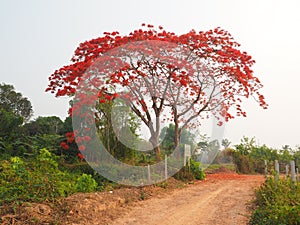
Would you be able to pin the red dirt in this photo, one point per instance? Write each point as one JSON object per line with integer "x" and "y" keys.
{"x": 221, "y": 199}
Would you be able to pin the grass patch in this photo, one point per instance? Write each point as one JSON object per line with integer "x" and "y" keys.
{"x": 215, "y": 167}
{"x": 277, "y": 203}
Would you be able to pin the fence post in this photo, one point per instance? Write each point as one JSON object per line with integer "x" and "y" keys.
{"x": 293, "y": 171}
{"x": 166, "y": 167}
{"x": 149, "y": 174}
{"x": 276, "y": 171}
{"x": 287, "y": 170}
{"x": 266, "y": 168}
{"x": 187, "y": 154}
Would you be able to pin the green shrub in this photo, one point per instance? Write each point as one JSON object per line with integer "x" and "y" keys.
{"x": 278, "y": 203}
{"x": 184, "y": 174}
{"x": 86, "y": 183}
{"x": 35, "y": 180}
{"x": 197, "y": 171}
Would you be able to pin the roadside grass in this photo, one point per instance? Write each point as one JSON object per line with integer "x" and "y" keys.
{"x": 217, "y": 167}
{"x": 277, "y": 203}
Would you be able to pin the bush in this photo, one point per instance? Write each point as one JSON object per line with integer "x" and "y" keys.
{"x": 86, "y": 183}
{"x": 85, "y": 168}
{"x": 277, "y": 203}
{"x": 184, "y": 175}
{"x": 188, "y": 174}
{"x": 197, "y": 171}
{"x": 37, "y": 180}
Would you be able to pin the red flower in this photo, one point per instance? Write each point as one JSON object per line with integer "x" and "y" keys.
{"x": 109, "y": 97}
{"x": 78, "y": 139}
{"x": 70, "y": 140}
{"x": 87, "y": 138}
{"x": 80, "y": 155}
{"x": 64, "y": 145}
{"x": 183, "y": 82}
{"x": 81, "y": 148}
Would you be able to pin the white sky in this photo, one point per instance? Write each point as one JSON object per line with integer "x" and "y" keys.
{"x": 38, "y": 37}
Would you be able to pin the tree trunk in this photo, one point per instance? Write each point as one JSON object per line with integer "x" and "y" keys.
{"x": 157, "y": 154}
{"x": 176, "y": 140}
{"x": 156, "y": 147}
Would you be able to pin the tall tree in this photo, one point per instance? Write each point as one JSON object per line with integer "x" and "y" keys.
{"x": 13, "y": 101}
{"x": 9, "y": 122}
{"x": 161, "y": 75}
{"x": 44, "y": 125}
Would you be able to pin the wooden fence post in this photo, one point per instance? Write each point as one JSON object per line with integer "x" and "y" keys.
{"x": 293, "y": 171}
{"x": 287, "y": 170}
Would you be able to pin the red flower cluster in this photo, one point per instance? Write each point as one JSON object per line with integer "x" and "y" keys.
{"x": 81, "y": 148}
{"x": 70, "y": 137}
{"x": 64, "y": 145}
{"x": 80, "y": 156}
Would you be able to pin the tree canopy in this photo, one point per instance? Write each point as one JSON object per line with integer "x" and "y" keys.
{"x": 13, "y": 101}
{"x": 162, "y": 76}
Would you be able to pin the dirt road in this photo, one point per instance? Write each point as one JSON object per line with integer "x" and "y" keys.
{"x": 221, "y": 199}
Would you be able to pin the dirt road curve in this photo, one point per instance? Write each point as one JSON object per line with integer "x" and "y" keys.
{"x": 221, "y": 199}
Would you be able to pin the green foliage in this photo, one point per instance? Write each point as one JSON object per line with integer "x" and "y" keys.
{"x": 184, "y": 174}
{"x": 197, "y": 171}
{"x": 9, "y": 122}
{"x": 38, "y": 180}
{"x": 278, "y": 203}
{"x": 115, "y": 126}
{"x": 86, "y": 183}
{"x": 246, "y": 164}
{"x": 193, "y": 172}
{"x": 249, "y": 157}
{"x": 44, "y": 125}
{"x": 167, "y": 137}
{"x": 212, "y": 168}
{"x": 85, "y": 168}
{"x": 12, "y": 101}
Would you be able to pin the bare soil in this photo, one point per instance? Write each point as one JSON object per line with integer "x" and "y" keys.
{"x": 223, "y": 198}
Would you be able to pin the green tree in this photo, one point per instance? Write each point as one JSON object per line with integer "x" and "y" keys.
{"x": 9, "y": 122}
{"x": 167, "y": 138}
{"x": 13, "y": 101}
{"x": 226, "y": 143}
{"x": 44, "y": 125}
{"x": 246, "y": 145}
{"x": 117, "y": 126}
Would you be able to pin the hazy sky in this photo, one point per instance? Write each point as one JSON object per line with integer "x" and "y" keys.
{"x": 38, "y": 37}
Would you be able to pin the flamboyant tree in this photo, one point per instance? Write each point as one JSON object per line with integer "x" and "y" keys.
{"x": 161, "y": 76}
